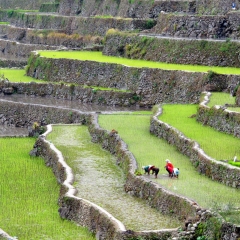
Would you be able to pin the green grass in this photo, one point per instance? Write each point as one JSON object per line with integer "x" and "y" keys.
{"x": 216, "y": 144}
{"x": 4, "y": 23}
{"x": 235, "y": 109}
{"x": 98, "y": 57}
{"x": 29, "y": 195}
{"x": 220, "y": 98}
{"x": 89, "y": 161}
{"x": 17, "y": 75}
{"x": 148, "y": 149}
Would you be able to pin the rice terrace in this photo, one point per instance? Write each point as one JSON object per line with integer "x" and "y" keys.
{"x": 119, "y": 120}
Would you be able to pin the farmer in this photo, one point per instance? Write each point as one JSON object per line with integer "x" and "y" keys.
{"x": 147, "y": 168}
{"x": 155, "y": 171}
{"x": 169, "y": 167}
{"x": 176, "y": 172}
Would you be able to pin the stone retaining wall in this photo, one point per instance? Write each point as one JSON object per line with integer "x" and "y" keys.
{"x": 70, "y": 25}
{"x": 150, "y": 85}
{"x": 24, "y": 115}
{"x": 238, "y": 97}
{"x": 124, "y": 8}
{"x": 199, "y": 26}
{"x": 49, "y": 7}
{"x": 6, "y": 63}
{"x": 48, "y": 37}
{"x": 181, "y": 51}
{"x": 72, "y": 93}
{"x": 219, "y": 118}
{"x": 12, "y": 50}
{"x": 22, "y": 4}
{"x": 216, "y": 170}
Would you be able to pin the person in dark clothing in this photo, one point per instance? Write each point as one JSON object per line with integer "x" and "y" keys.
{"x": 155, "y": 171}
{"x": 147, "y": 168}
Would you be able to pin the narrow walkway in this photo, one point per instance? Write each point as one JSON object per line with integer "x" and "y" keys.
{"x": 101, "y": 181}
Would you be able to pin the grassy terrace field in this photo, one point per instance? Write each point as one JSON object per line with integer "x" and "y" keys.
{"x": 17, "y": 75}
{"x": 100, "y": 180}
{"x": 216, "y": 144}
{"x": 99, "y": 57}
{"x": 29, "y": 194}
{"x": 219, "y": 98}
{"x": 148, "y": 149}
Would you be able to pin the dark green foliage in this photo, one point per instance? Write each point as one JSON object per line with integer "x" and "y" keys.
{"x": 150, "y": 23}
{"x": 49, "y": 7}
{"x": 211, "y": 229}
{"x": 10, "y": 13}
{"x": 210, "y": 75}
{"x": 72, "y": 87}
{"x": 203, "y": 44}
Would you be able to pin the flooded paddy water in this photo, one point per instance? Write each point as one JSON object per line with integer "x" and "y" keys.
{"x": 99, "y": 180}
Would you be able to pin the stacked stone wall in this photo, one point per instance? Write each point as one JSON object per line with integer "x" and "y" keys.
{"x": 199, "y": 26}
{"x": 24, "y": 115}
{"x": 72, "y": 93}
{"x": 48, "y": 37}
{"x": 12, "y": 50}
{"x": 219, "y": 118}
{"x": 150, "y": 85}
{"x": 180, "y": 51}
{"x": 124, "y": 8}
{"x": 238, "y": 97}
{"x": 22, "y": 4}
{"x": 216, "y": 170}
{"x": 71, "y": 24}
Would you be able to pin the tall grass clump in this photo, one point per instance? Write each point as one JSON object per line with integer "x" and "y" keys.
{"x": 29, "y": 196}
{"x": 148, "y": 149}
{"x": 218, "y": 145}
{"x": 98, "y": 57}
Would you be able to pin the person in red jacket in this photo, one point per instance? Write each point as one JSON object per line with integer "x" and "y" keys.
{"x": 169, "y": 167}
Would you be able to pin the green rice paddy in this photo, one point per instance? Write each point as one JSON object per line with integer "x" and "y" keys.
{"x": 99, "y": 57}
{"x": 220, "y": 98}
{"x": 29, "y": 196}
{"x": 215, "y": 144}
{"x": 100, "y": 180}
{"x": 17, "y": 75}
{"x": 148, "y": 149}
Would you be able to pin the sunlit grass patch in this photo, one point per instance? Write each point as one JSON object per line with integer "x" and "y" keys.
{"x": 234, "y": 109}
{"x": 17, "y": 75}
{"x": 29, "y": 196}
{"x": 3, "y": 23}
{"x": 148, "y": 149}
{"x": 218, "y": 145}
{"x": 133, "y": 113}
{"x": 220, "y": 98}
{"x": 99, "y": 57}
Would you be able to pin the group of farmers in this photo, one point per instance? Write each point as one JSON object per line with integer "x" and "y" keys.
{"x": 172, "y": 171}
